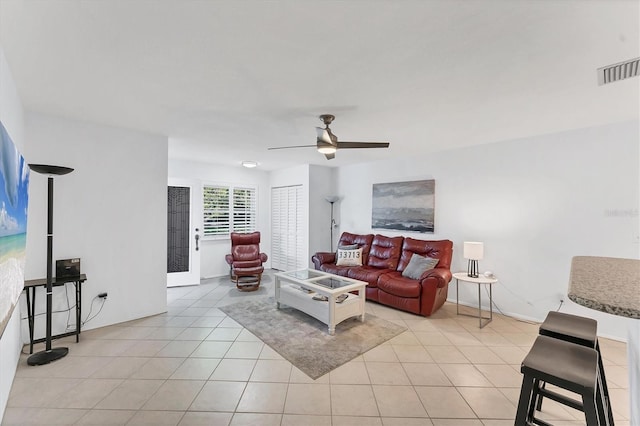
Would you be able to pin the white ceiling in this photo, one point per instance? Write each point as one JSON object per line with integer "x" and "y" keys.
{"x": 224, "y": 80}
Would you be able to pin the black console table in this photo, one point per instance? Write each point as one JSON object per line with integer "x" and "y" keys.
{"x": 30, "y": 288}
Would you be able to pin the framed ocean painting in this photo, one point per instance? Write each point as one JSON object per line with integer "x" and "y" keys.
{"x": 404, "y": 206}
{"x": 14, "y": 195}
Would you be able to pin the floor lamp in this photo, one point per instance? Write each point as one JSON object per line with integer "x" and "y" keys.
{"x": 332, "y": 199}
{"x": 49, "y": 354}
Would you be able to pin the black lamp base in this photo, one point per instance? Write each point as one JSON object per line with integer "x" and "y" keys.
{"x": 472, "y": 269}
{"x": 45, "y": 357}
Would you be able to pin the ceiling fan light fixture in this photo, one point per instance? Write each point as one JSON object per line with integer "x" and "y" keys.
{"x": 326, "y": 149}
{"x": 249, "y": 164}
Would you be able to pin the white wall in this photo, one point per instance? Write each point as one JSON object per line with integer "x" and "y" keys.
{"x": 11, "y": 115}
{"x": 111, "y": 212}
{"x": 534, "y": 202}
{"x": 213, "y": 251}
{"x": 321, "y": 185}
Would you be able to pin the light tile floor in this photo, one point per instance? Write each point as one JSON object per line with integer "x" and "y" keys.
{"x": 195, "y": 366}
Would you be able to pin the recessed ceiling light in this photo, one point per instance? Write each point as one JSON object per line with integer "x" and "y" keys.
{"x": 250, "y": 164}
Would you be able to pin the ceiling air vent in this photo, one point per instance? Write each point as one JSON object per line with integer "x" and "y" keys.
{"x": 619, "y": 71}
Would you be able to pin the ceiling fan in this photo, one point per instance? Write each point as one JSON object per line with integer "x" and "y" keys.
{"x": 327, "y": 143}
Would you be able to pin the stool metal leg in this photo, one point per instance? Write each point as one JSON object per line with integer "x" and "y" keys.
{"x": 605, "y": 388}
{"x": 603, "y": 404}
{"x": 590, "y": 413}
{"x": 536, "y": 398}
{"x": 540, "y": 398}
{"x": 524, "y": 401}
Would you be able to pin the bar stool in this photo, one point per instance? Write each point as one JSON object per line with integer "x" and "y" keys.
{"x": 581, "y": 331}
{"x": 568, "y": 366}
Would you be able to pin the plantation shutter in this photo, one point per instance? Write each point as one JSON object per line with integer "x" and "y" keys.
{"x": 287, "y": 236}
{"x": 216, "y": 210}
{"x": 228, "y": 209}
{"x": 244, "y": 210}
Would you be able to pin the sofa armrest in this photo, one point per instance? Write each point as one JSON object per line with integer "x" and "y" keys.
{"x": 229, "y": 259}
{"x": 263, "y": 257}
{"x": 321, "y": 258}
{"x": 442, "y": 275}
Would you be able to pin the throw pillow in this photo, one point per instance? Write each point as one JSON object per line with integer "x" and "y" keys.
{"x": 349, "y": 257}
{"x": 418, "y": 265}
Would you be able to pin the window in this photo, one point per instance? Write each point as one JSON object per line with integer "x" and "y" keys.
{"x": 228, "y": 209}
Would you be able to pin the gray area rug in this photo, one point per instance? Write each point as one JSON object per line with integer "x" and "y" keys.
{"x": 304, "y": 341}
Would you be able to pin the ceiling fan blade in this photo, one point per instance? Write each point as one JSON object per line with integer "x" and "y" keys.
{"x": 350, "y": 145}
{"x": 295, "y": 146}
{"x": 330, "y": 156}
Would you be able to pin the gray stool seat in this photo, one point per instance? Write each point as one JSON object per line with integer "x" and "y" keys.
{"x": 566, "y": 365}
{"x": 581, "y": 331}
{"x": 571, "y": 328}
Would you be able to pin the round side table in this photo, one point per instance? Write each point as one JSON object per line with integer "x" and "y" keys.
{"x": 462, "y": 276}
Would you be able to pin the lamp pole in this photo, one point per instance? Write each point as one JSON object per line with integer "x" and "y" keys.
{"x": 333, "y": 223}
{"x": 332, "y": 199}
{"x": 49, "y": 354}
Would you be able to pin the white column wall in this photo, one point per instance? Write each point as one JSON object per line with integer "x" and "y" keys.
{"x": 321, "y": 185}
{"x": 111, "y": 212}
{"x": 534, "y": 202}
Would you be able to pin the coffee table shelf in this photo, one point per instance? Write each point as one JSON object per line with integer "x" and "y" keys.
{"x": 288, "y": 291}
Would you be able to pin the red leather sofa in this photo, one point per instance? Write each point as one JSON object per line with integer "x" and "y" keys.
{"x": 384, "y": 259}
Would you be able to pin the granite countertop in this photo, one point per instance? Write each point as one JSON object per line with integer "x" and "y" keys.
{"x": 606, "y": 284}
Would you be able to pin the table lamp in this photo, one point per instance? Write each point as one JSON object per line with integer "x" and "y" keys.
{"x": 473, "y": 251}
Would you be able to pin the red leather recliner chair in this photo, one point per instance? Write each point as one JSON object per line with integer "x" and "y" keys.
{"x": 245, "y": 261}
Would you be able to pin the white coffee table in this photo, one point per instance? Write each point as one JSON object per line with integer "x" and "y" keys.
{"x": 288, "y": 290}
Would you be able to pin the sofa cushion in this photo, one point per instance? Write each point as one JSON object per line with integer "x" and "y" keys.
{"x": 385, "y": 252}
{"x": 367, "y": 273}
{"x": 441, "y": 250}
{"x": 247, "y": 263}
{"x": 332, "y": 268}
{"x": 394, "y": 283}
{"x": 418, "y": 265}
{"x": 349, "y": 257}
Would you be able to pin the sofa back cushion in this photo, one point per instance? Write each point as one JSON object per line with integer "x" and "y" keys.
{"x": 441, "y": 250}
{"x": 385, "y": 252}
{"x": 363, "y": 242}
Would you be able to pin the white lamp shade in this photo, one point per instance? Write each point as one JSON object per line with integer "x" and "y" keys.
{"x": 473, "y": 250}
